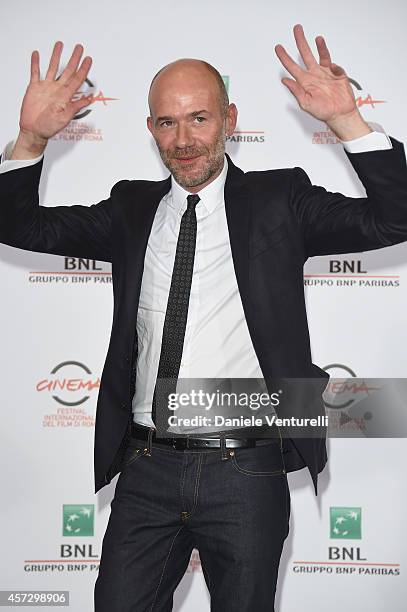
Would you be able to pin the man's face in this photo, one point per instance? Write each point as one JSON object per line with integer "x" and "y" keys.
{"x": 188, "y": 125}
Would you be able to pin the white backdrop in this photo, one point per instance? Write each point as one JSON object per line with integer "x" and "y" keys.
{"x": 56, "y": 314}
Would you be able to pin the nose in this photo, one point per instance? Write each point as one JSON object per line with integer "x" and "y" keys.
{"x": 184, "y": 137}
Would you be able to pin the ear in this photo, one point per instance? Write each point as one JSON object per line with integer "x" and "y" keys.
{"x": 150, "y": 125}
{"x": 231, "y": 119}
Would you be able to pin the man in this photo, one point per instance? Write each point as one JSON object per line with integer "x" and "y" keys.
{"x": 207, "y": 275}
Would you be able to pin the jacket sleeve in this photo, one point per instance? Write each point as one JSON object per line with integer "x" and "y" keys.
{"x": 334, "y": 223}
{"x": 73, "y": 231}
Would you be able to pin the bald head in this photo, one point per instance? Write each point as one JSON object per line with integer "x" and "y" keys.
{"x": 188, "y": 73}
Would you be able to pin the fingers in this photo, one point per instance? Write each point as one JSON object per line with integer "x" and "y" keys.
{"x": 72, "y": 65}
{"x": 77, "y": 80}
{"x": 292, "y": 67}
{"x": 303, "y": 47}
{"x": 306, "y": 54}
{"x": 54, "y": 61}
{"x": 35, "y": 67}
{"x": 324, "y": 55}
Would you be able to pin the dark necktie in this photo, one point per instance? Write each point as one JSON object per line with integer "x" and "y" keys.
{"x": 175, "y": 316}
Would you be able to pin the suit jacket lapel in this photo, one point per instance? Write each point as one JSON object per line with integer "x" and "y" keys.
{"x": 142, "y": 209}
{"x": 141, "y": 206}
{"x": 237, "y": 206}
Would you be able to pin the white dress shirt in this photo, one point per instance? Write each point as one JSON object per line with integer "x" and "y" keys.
{"x": 217, "y": 342}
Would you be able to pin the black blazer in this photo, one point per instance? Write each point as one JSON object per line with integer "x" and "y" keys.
{"x": 276, "y": 220}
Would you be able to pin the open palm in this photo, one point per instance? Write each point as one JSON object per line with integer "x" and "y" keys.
{"x": 323, "y": 88}
{"x": 48, "y": 104}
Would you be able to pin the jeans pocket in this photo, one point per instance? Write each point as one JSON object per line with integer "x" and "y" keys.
{"x": 258, "y": 461}
{"x": 134, "y": 451}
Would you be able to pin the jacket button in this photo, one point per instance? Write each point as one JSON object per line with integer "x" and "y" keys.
{"x": 124, "y": 406}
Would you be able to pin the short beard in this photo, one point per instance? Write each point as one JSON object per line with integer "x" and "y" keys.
{"x": 214, "y": 153}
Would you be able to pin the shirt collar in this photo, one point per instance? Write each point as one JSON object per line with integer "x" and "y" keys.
{"x": 210, "y": 196}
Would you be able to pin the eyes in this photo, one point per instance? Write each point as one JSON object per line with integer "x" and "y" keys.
{"x": 169, "y": 123}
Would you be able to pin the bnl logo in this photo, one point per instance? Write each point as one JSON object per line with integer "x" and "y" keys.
{"x": 345, "y": 524}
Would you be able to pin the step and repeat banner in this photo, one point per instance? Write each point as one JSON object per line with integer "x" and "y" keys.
{"x": 346, "y": 546}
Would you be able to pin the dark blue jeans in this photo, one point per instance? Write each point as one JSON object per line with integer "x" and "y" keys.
{"x": 233, "y": 505}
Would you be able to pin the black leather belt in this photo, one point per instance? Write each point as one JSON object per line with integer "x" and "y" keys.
{"x": 140, "y": 432}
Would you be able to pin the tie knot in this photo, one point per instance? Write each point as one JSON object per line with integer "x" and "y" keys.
{"x": 193, "y": 200}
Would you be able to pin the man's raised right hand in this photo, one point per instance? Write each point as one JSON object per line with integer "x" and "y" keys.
{"x": 49, "y": 104}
